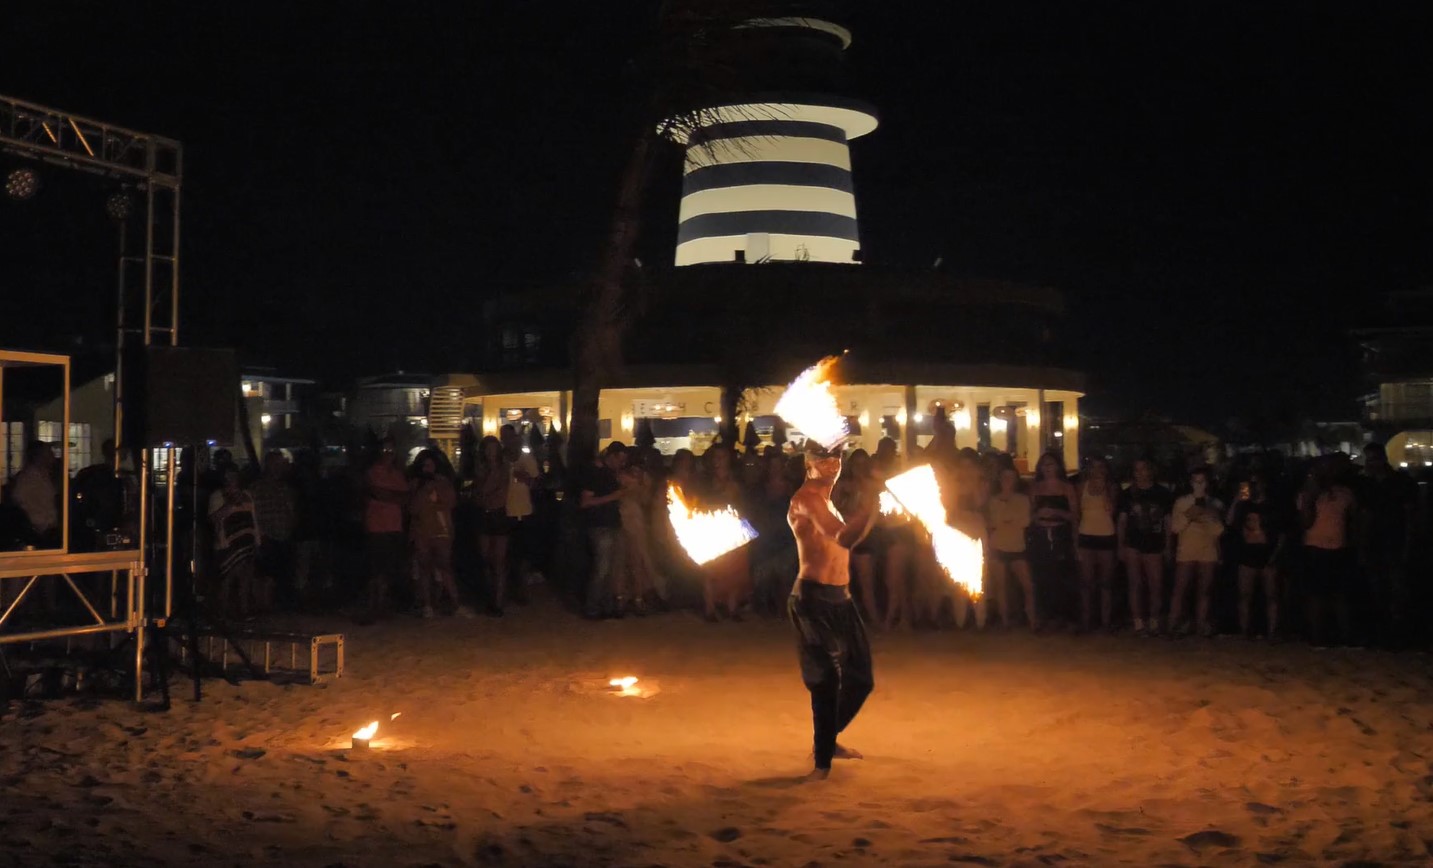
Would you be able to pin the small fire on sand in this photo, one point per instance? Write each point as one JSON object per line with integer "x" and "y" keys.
{"x": 961, "y": 556}
{"x": 625, "y": 686}
{"x": 363, "y": 738}
{"x": 706, "y": 534}
{"x": 810, "y": 405}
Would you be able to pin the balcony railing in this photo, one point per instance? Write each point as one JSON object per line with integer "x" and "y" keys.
{"x": 1398, "y": 411}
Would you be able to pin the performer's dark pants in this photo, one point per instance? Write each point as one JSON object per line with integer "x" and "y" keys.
{"x": 835, "y": 659}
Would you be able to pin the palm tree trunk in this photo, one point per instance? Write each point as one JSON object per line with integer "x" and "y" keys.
{"x": 608, "y": 312}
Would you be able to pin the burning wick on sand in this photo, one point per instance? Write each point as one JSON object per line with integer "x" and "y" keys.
{"x": 810, "y": 405}
{"x": 626, "y": 686}
{"x": 706, "y": 534}
{"x": 918, "y": 493}
{"x": 363, "y": 738}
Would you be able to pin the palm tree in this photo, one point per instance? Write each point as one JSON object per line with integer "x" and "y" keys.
{"x": 689, "y": 66}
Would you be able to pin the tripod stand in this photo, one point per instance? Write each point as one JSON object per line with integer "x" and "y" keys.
{"x": 192, "y": 608}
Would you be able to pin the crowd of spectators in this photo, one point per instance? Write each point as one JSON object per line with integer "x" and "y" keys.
{"x": 1260, "y": 547}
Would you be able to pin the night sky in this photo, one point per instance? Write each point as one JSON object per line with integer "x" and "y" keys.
{"x": 1220, "y": 191}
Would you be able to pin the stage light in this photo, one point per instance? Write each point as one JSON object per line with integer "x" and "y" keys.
{"x": 22, "y": 184}
{"x": 118, "y": 205}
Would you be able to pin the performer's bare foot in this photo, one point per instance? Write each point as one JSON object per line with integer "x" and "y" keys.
{"x": 850, "y": 753}
{"x": 816, "y": 775}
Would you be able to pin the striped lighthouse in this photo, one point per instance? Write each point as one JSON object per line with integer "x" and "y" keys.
{"x": 768, "y": 177}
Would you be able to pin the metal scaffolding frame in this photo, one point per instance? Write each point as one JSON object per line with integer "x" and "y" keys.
{"x": 147, "y": 311}
{"x": 150, "y": 259}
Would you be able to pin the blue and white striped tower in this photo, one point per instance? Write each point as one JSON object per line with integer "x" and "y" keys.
{"x": 769, "y": 178}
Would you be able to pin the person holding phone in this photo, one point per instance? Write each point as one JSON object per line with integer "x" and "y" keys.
{"x": 1197, "y": 522}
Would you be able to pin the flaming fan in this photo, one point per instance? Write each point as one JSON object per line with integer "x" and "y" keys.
{"x": 707, "y": 534}
{"x": 810, "y": 405}
{"x": 959, "y": 555}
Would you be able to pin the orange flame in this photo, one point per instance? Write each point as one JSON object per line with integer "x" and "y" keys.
{"x": 961, "y": 556}
{"x": 626, "y": 685}
{"x": 810, "y": 405}
{"x": 706, "y": 534}
{"x": 366, "y": 732}
{"x": 889, "y": 505}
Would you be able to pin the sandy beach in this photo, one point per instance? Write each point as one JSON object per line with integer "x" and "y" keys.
{"x": 982, "y": 749}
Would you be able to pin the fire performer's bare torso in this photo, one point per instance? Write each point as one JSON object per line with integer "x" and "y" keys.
{"x": 831, "y": 641}
{"x": 818, "y": 529}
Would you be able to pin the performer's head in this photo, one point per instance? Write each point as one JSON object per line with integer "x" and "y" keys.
{"x": 822, "y": 465}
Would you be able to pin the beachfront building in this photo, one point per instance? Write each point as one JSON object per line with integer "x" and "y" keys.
{"x": 1397, "y": 365}
{"x": 767, "y": 278}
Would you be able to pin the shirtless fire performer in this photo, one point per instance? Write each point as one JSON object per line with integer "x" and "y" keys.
{"x": 834, "y": 652}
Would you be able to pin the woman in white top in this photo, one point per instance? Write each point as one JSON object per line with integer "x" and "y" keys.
{"x": 1197, "y": 520}
{"x": 1096, "y": 541}
{"x": 1008, "y": 517}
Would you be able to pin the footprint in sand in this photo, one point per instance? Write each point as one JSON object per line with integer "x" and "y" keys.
{"x": 726, "y": 835}
{"x": 1198, "y": 841}
{"x": 605, "y": 817}
{"x": 1122, "y": 831}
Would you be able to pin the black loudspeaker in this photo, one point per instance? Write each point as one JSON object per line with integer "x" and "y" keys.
{"x": 189, "y": 395}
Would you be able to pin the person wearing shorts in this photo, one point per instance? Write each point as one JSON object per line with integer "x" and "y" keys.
{"x": 1142, "y": 530}
{"x": 1008, "y": 517}
{"x": 1095, "y": 542}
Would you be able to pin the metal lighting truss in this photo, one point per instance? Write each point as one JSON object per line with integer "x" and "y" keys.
{"x": 148, "y": 311}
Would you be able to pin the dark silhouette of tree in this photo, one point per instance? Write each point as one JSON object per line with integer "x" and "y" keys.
{"x": 689, "y": 64}
{"x": 643, "y": 437}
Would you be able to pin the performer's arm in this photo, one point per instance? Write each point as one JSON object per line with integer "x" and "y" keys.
{"x": 850, "y": 532}
{"x": 859, "y": 524}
